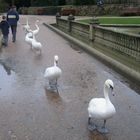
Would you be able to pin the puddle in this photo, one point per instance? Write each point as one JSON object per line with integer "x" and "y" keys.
{"x": 7, "y": 76}
{"x": 5, "y": 68}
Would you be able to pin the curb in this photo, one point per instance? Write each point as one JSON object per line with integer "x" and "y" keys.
{"x": 117, "y": 66}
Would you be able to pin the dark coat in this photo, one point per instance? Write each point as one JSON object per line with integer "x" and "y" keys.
{"x": 4, "y": 26}
{"x": 12, "y": 17}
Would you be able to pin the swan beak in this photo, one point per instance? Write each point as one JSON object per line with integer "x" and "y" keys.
{"x": 56, "y": 62}
{"x": 111, "y": 87}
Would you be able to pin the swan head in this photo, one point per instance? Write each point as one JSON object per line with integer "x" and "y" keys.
{"x": 109, "y": 84}
{"x": 29, "y": 30}
{"x": 56, "y": 59}
{"x": 37, "y": 21}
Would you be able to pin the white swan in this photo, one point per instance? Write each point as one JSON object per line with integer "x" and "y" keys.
{"x": 26, "y": 27}
{"x": 37, "y": 46}
{"x": 28, "y": 38}
{"x": 101, "y": 108}
{"x": 53, "y": 73}
{"x": 34, "y": 32}
{"x": 37, "y": 28}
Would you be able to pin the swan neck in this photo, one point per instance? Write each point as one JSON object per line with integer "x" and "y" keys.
{"x": 55, "y": 64}
{"x": 106, "y": 94}
{"x": 37, "y": 25}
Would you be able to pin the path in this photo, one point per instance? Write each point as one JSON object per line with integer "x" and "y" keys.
{"x": 28, "y": 112}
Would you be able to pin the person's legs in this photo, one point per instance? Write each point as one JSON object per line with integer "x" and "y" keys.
{"x": 14, "y": 30}
{"x": 5, "y": 40}
{"x": 2, "y": 41}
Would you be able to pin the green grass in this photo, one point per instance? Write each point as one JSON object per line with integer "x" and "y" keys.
{"x": 115, "y": 20}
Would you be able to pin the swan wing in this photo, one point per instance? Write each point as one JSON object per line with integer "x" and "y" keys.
{"x": 36, "y": 44}
{"x": 52, "y": 73}
{"x": 59, "y": 71}
{"x": 97, "y": 102}
{"x": 28, "y": 39}
{"x": 97, "y": 107}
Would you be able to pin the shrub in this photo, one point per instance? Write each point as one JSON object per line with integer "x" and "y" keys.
{"x": 66, "y": 12}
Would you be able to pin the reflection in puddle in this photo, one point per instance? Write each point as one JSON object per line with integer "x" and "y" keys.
{"x": 7, "y": 78}
{"x": 6, "y": 67}
{"x": 98, "y": 136}
{"x": 53, "y": 96}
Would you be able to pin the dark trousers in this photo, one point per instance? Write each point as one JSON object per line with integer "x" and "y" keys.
{"x": 14, "y": 30}
{"x": 5, "y": 40}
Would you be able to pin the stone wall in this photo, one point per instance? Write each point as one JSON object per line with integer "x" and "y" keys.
{"x": 79, "y": 30}
{"x": 122, "y": 42}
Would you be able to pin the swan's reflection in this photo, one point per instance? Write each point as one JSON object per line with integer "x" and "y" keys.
{"x": 53, "y": 96}
{"x": 6, "y": 67}
{"x": 98, "y": 136}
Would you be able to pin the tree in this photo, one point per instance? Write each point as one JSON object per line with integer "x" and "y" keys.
{"x": 84, "y": 2}
{"x": 19, "y": 3}
{"x": 47, "y": 2}
{"x": 61, "y": 2}
{"x": 27, "y": 3}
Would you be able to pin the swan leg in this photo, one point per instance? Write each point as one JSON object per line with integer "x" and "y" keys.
{"x": 89, "y": 119}
{"x": 53, "y": 85}
{"x": 56, "y": 86}
{"x": 103, "y": 129}
{"x": 91, "y": 125}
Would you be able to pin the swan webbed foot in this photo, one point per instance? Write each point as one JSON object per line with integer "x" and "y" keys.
{"x": 56, "y": 86}
{"x": 91, "y": 125}
{"x": 102, "y": 130}
{"x": 53, "y": 85}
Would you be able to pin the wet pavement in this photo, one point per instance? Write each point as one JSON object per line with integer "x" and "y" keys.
{"x": 29, "y": 112}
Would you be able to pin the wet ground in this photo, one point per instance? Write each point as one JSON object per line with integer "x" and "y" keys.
{"x": 29, "y": 112}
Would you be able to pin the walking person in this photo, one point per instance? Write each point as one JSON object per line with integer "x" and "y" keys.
{"x": 4, "y": 26}
{"x": 12, "y": 18}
